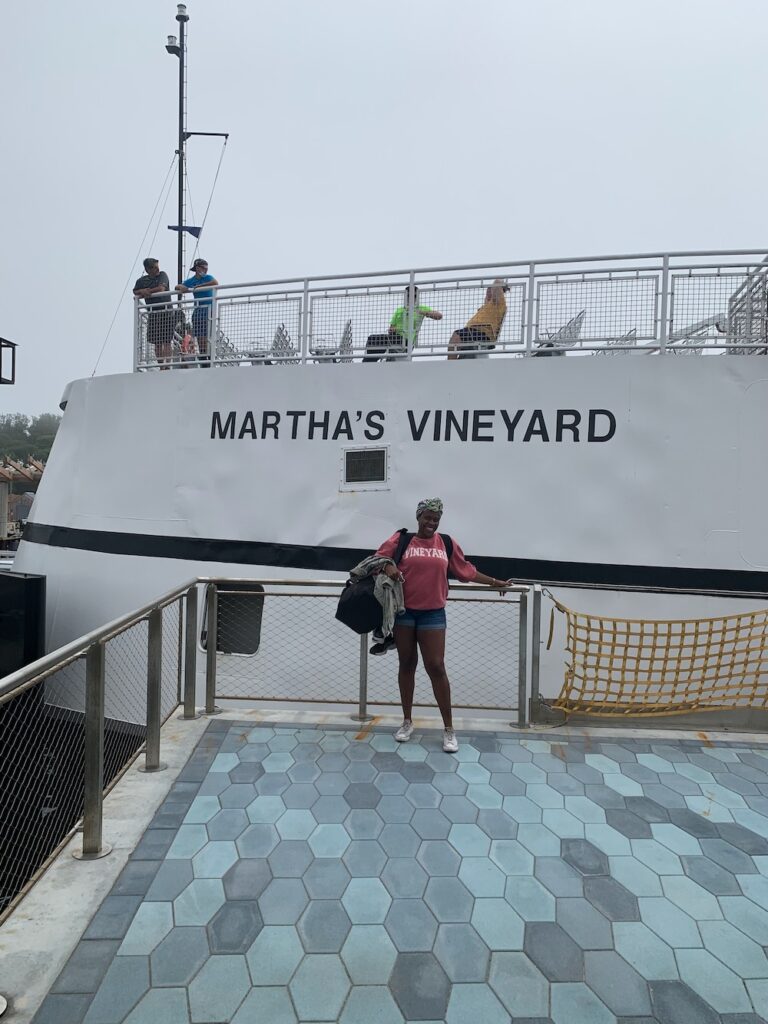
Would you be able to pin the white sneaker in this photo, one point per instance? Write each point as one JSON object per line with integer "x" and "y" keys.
{"x": 405, "y": 732}
{"x": 450, "y": 743}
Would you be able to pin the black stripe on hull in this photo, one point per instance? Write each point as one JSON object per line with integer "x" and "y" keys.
{"x": 334, "y": 559}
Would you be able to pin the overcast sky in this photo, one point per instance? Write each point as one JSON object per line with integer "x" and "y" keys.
{"x": 363, "y": 136}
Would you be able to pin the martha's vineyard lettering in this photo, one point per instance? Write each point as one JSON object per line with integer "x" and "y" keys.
{"x": 468, "y": 425}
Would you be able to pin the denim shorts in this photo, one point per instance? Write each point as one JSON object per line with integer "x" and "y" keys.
{"x": 418, "y": 619}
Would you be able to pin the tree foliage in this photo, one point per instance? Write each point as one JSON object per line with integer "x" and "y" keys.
{"x": 24, "y": 436}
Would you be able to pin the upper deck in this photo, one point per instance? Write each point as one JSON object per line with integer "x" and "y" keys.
{"x": 690, "y": 303}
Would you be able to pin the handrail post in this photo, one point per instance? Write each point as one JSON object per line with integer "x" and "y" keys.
{"x": 190, "y": 655}
{"x": 663, "y": 325}
{"x": 136, "y": 334}
{"x": 152, "y": 762}
{"x": 410, "y": 340}
{"x": 522, "y": 663}
{"x": 362, "y": 714}
{"x": 535, "y": 653}
{"x": 213, "y": 329}
{"x": 93, "y": 761}
{"x": 304, "y": 346}
{"x": 529, "y": 305}
{"x": 211, "y": 641}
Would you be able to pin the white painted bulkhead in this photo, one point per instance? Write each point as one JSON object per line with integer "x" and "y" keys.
{"x": 679, "y": 482}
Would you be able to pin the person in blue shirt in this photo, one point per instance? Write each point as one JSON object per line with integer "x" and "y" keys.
{"x": 201, "y": 284}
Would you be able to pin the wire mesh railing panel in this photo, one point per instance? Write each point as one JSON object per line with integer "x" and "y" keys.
{"x": 171, "y": 662}
{"x": 259, "y": 328}
{"x": 358, "y": 323}
{"x": 748, "y": 317}
{"x": 125, "y": 697}
{"x": 172, "y": 333}
{"x": 608, "y": 307}
{"x": 699, "y": 309}
{"x": 481, "y": 658}
{"x": 41, "y": 774}
{"x": 286, "y": 647}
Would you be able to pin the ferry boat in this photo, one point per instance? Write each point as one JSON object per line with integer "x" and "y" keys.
{"x": 628, "y": 475}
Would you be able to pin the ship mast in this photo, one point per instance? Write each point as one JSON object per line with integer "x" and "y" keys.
{"x": 178, "y": 47}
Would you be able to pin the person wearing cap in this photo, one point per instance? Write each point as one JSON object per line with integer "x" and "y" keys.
{"x": 482, "y": 330}
{"x": 154, "y": 288}
{"x": 379, "y": 346}
{"x": 202, "y": 285}
{"x": 423, "y": 571}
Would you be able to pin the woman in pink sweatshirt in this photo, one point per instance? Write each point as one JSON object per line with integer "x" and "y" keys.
{"x": 423, "y": 571}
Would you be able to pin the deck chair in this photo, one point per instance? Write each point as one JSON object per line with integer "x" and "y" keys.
{"x": 326, "y": 349}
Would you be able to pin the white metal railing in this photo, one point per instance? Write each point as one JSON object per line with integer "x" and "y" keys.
{"x": 638, "y": 303}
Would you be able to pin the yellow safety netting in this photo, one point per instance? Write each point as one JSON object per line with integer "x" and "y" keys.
{"x": 670, "y": 667}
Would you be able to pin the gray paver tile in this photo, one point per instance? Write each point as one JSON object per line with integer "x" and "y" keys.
{"x": 553, "y": 951}
{"x": 461, "y": 951}
{"x": 247, "y": 880}
{"x": 87, "y": 966}
{"x": 124, "y": 984}
{"x": 369, "y": 955}
{"x": 136, "y": 878}
{"x": 558, "y": 876}
{"x": 628, "y": 823}
{"x": 326, "y": 879}
{"x": 233, "y": 928}
{"x": 154, "y": 844}
{"x": 364, "y": 858}
{"x": 620, "y": 987}
{"x": 178, "y": 958}
{"x": 448, "y": 899}
{"x": 472, "y": 1002}
{"x": 228, "y": 824}
{"x": 324, "y": 926}
{"x": 63, "y": 1009}
{"x": 112, "y": 919}
{"x": 319, "y": 987}
{"x": 218, "y": 989}
{"x": 673, "y": 1002}
{"x": 405, "y": 878}
{"x": 519, "y": 984}
{"x": 372, "y": 1003}
{"x": 612, "y": 899}
{"x": 711, "y": 876}
{"x": 290, "y": 858}
{"x": 584, "y": 857}
{"x": 266, "y": 1006}
{"x": 728, "y": 856}
{"x": 411, "y": 926}
{"x": 275, "y": 955}
{"x": 420, "y": 986}
{"x": 576, "y": 1003}
{"x": 584, "y": 923}
{"x": 283, "y": 901}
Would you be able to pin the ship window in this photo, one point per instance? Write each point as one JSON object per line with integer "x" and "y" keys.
{"x": 364, "y": 469}
{"x": 240, "y": 611}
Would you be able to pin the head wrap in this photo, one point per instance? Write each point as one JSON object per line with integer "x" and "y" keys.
{"x": 429, "y": 505}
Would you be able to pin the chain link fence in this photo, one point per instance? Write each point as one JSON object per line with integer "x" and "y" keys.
{"x": 45, "y": 758}
{"x": 284, "y": 645}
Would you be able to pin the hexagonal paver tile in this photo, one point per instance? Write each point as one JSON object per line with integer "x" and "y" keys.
{"x": 747, "y": 916}
{"x": 362, "y": 794}
{"x": 300, "y": 795}
{"x": 283, "y": 901}
{"x": 257, "y": 841}
{"x": 584, "y": 923}
{"x": 617, "y": 984}
{"x": 429, "y": 823}
{"x": 673, "y": 1002}
{"x": 296, "y": 824}
{"x": 694, "y": 899}
{"x": 629, "y": 824}
{"x": 319, "y": 987}
{"x": 560, "y": 878}
{"x": 278, "y": 762}
{"x": 611, "y": 899}
{"x": 458, "y": 809}
{"x": 364, "y": 858}
{"x": 538, "y": 839}
{"x": 228, "y": 824}
{"x": 448, "y": 899}
{"x": 360, "y": 771}
{"x": 363, "y": 823}
{"x": 530, "y": 899}
{"x": 189, "y": 840}
{"x": 326, "y": 879}
{"x": 180, "y": 955}
{"x": 199, "y": 901}
{"x": 462, "y": 953}
{"x": 366, "y": 901}
{"x": 669, "y": 922}
{"x": 411, "y": 926}
{"x": 324, "y": 926}
{"x": 248, "y": 772}
{"x": 728, "y": 856}
{"x": 657, "y": 857}
{"x": 736, "y": 950}
{"x": 469, "y": 840}
{"x": 369, "y": 954}
{"x": 438, "y": 857}
{"x": 423, "y": 794}
{"x": 372, "y": 1003}
{"x": 713, "y": 981}
{"x": 651, "y": 957}
{"x": 575, "y": 1003}
{"x": 265, "y": 810}
{"x": 331, "y": 783}
{"x": 266, "y": 1006}
{"x": 553, "y": 951}
{"x": 420, "y": 986}
{"x": 272, "y": 784}
{"x": 220, "y": 986}
{"x": 481, "y": 876}
{"x": 399, "y": 840}
{"x": 247, "y": 880}
{"x": 395, "y": 809}
{"x": 496, "y": 823}
{"x": 637, "y": 878}
{"x": 290, "y": 858}
{"x": 214, "y": 860}
{"x": 160, "y": 1004}
{"x": 404, "y": 877}
{"x": 519, "y": 984}
{"x": 329, "y": 841}
{"x": 584, "y": 857}
{"x": 151, "y": 924}
{"x": 497, "y": 924}
{"x": 275, "y": 955}
{"x": 234, "y": 927}
{"x": 331, "y": 808}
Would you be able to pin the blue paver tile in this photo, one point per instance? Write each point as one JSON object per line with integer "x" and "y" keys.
{"x": 481, "y": 876}
{"x": 112, "y": 919}
{"x": 266, "y": 1006}
{"x": 438, "y": 857}
{"x": 274, "y": 955}
{"x": 218, "y": 989}
{"x": 470, "y": 1003}
{"x": 197, "y": 904}
{"x": 366, "y": 900}
{"x": 125, "y": 982}
{"x": 257, "y": 841}
{"x": 151, "y": 924}
{"x": 290, "y": 858}
{"x": 364, "y": 858}
{"x": 530, "y": 899}
{"x": 87, "y": 966}
{"x": 369, "y": 955}
{"x": 519, "y": 984}
{"x": 448, "y": 899}
{"x": 669, "y": 922}
{"x": 650, "y": 956}
{"x": 179, "y": 957}
{"x": 168, "y": 1005}
{"x": 283, "y": 901}
{"x": 371, "y": 1005}
{"x": 575, "y": 1003}
{"x": 319, "y": 987}
{"x": 411, "y": 926}
{"x": 404, "y": 877}
{"x": 497, "y": 924}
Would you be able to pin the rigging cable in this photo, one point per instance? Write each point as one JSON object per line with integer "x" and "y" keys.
{"x": 210, "y": 197}
{"x": 136, "y": 257}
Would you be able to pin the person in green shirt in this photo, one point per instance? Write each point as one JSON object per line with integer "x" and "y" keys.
{"x": 395, "y": 341}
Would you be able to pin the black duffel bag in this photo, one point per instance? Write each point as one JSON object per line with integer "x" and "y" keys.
{"x": 358, "y": 608}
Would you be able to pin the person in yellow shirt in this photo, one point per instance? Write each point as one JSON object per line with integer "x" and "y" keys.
{"x": 483, "y": 329}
